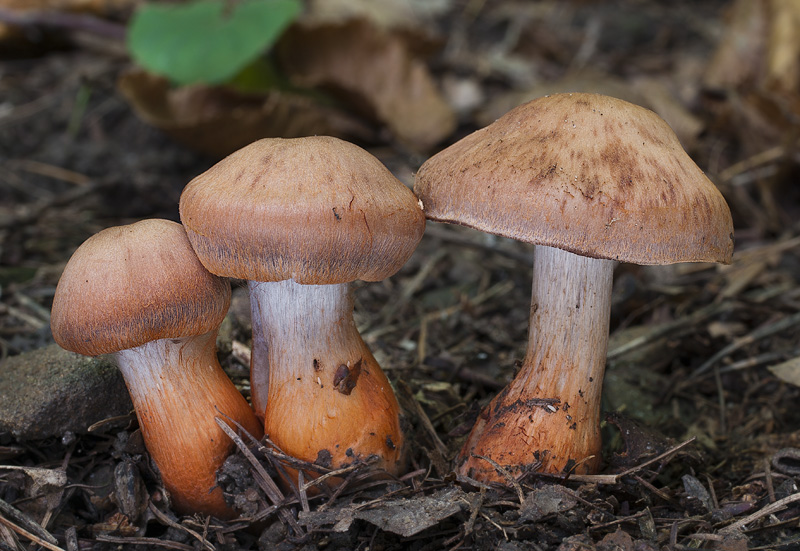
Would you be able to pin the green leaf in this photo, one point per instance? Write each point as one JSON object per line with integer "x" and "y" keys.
{"x": 204, "y": 41}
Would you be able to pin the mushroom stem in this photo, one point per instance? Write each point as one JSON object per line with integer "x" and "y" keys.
{"x": 177, "y": 387}
{"x": 328, "y": 400}
{"x": 548, "y": 417}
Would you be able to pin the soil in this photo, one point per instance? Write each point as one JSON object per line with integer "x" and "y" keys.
{"x": 702, "y": 441}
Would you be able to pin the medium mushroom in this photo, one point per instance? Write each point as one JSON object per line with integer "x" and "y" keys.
{"x": 300, "y": 219}
{"x": 590, "y": 180}
{"x": 138, "y": 292}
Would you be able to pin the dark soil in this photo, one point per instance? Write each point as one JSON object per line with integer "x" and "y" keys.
{"x": 696, "y": 439}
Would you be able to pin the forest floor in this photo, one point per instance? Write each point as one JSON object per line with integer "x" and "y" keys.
{"x": 702, "y": 434}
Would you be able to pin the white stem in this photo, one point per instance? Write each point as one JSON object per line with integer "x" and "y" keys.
{"x": 326, "y": 393}
{"x": 177, "y": 387}
{"x": 291, "y": 321}
{"x": 549, "y": 415}
{"x": 163, "y": 377}
{"x": 568, "y": 333}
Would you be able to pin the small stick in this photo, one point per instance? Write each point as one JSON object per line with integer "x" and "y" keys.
{"x": 339, "y": 472}
{"x": 614, "y": 478}
{"x": 31, "y": 526}
{"x": 262, "y": 477}
{"x": 507, "y": 475}
{"x": 33, "y": 537}
{"x": 473, "y": 516}
{"x": 768, "y": 480}
{"x": 171, "y": 523}
{"x": 768, "y": 510}
{"x": 756, "y": 335}
{"x": 303, "y": 495}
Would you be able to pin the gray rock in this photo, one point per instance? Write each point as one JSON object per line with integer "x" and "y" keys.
{"x": 49, "y": 391}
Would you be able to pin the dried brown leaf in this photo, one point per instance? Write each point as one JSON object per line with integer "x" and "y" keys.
{"x": 545, "y": 501}
{"x": 404, "y": 516}
{"x": 373, "y": 72}
{"x": 411, "y": 516}
{"x": 739, "y": 56}
{"x": 788, "y": 371}
{"x": 218, "y": 121}
{"x": 757, "y": 65}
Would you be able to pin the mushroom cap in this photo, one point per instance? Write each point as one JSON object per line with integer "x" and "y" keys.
{"x": 586, "y": 173}
{"x": 317, "y": 210}
{"x": 129, "y": 285}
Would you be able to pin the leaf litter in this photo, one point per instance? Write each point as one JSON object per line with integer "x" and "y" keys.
{"x": 702, "y": 444}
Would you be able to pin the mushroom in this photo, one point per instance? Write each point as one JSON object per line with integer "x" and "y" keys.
{"x": 589, "y": 180}
{"x": 300, "y": 219}
{"x": 138, "y": 292}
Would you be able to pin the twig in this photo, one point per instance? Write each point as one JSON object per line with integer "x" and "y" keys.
{"x": 473, "y": 516}
{"x": 615, "y": 522}
{"x": 339, "y": 489}
{"x": 455, "y": 237}
{"x": 30, "y": 213}
{"x": 768, "y": 480}
{"x": 411, "y": 286}
{"x": 303, "y": 494}
{"x": 768, "y": 510}
{"x": 655, "y": 490}
{"x": 30, "y": 525}
{"x": 33, "y": 537}
{"x": 615, "y": 478}
{"x": 407, "y": 396}
{"x": 756, "y": 335}
{"x": 667, "y": 328}
{"x": 262, "y": 478}
{"x": 339, "y": 472}
{"x": 507, "y": 475}
{"x": 171, "y": 523}
{"x": 278, "y": 457}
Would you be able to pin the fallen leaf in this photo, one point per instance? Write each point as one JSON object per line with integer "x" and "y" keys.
{"x": 218, "y": 121}
{"x": 400, "y": 516}
{"x": 739, "y": 57}
{"x": 545, "y": 501}
{"x": 411, "y": 516}
{"x": 698, "y": 498}
{"x": 373, "y": 72}
{"x": 756, "y": 70}
{"x": 788, "y": 371}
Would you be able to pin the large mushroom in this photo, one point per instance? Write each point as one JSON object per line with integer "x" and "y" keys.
{"x": 590, "y": 180}
{"x": 138, "y": 292}
{"x": 300, "y": 219}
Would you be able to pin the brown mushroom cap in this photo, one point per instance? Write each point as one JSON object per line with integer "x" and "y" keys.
{"x": 129, "y": 285}
{"x": 317, "y": 210}
{"x": 586, "y": 173}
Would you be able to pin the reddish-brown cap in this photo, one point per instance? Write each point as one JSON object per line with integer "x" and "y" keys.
{"x": 317, "y": 210}
{"x": 129, "y": 285}
{"x": 590, "y": 174}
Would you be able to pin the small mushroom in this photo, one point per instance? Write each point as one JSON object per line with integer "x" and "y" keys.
{"x": 138, "y": 292}
{"x": 300, "y": 219}
{"x": 590, "y": 180}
